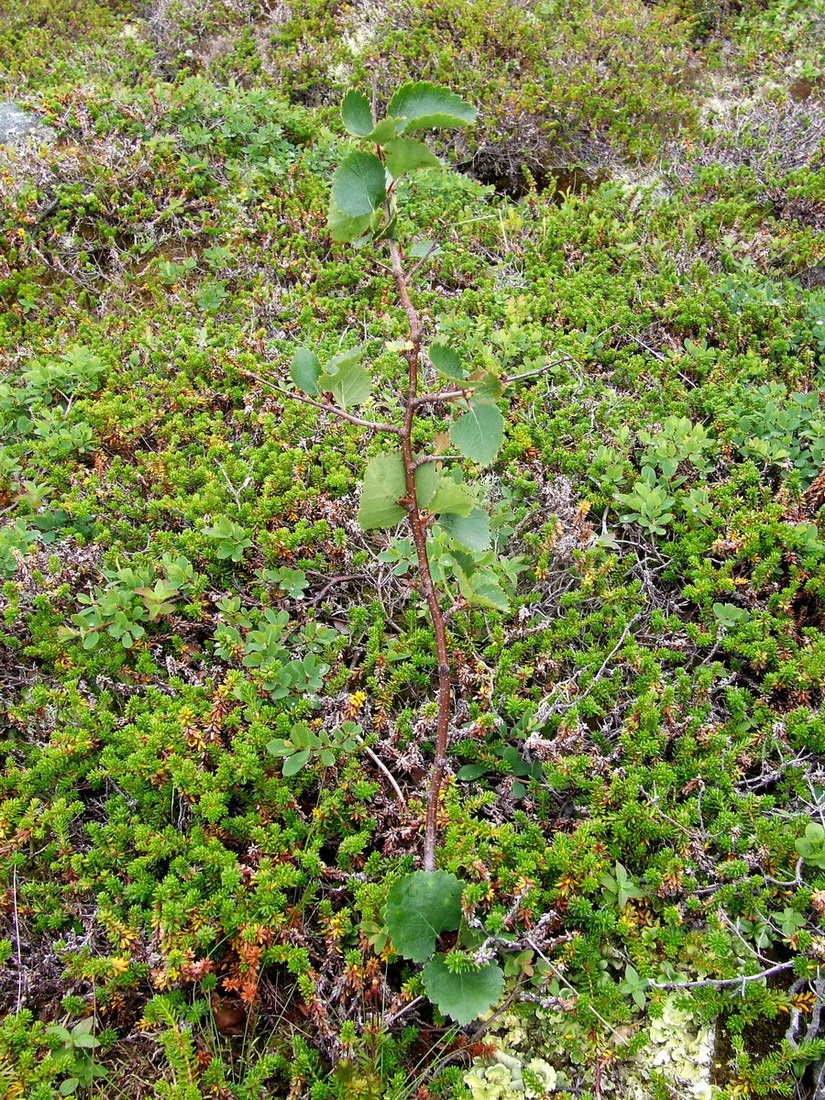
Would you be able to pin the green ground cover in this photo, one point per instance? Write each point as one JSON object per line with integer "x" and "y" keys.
{"x": 637, "y": 795}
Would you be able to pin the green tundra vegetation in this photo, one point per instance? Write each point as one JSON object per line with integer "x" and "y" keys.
{"x": 219, "y": 664}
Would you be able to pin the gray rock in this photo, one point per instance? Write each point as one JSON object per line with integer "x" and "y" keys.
{"x": 16, "y": 124}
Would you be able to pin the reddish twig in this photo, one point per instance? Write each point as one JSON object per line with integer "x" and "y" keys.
{"x": 419, "y": 537}
{"x": 342, "y": 414}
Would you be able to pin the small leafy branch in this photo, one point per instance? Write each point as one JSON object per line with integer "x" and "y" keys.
{"x": 76, "y": 1047}
{"x": 429, "y": 492}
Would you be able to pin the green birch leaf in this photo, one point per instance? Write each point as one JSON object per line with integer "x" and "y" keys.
{"x": 446, "y": 361}
{"x": 86, "y": 1042}
{"x": 419, "y": 908}
{"x": 61, "y": 1033}
{"x": 357, "y": 114}
{"x": 344, "y": 358}
{"x": 359, "y": 184}
{"x": 386, "y": 129}
{"x": 279, "y": 747}
{"x": 464, "y": 996}
{"x": 382, "y": 488}
{"x": 421, "y": 249}
{"x": 348, "y": 382}
{"x": 426, "y": 482}
{"x": 451, "y": 497}
{"x": 426, "y": 106}
{"x": 305, "y": 371}
{"x": 487, "y": 592}
{"x": 479, "y": 433}
{"x": 384, "y": 484}
{"x": 344, "y": 228}
{"x": 488, "y": 388}
{"x": 406, "y": 155}
{"x": 472, "y": 530}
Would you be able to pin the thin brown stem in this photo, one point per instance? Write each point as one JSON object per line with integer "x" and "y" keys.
{"x": 342, "y": 414}
{"x": 434, "y": 398}
{"x": 419, "y": 536}
{"x": 539, "y": 370}
{"x": 422, "y": 460}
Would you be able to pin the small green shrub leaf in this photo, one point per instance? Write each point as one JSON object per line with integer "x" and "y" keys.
{"x": 426, "y": 106}
{"x": 294, "y": 763}
{"x": 466, "y": 995}
{"x": 446, "y": 362}
{"x": 357, "y": 114}
{"x": 344, "y": 358}
{"x": 305, "y": 371}
{"x": 469, "y": 772}
{"x": 382, "y": 488}
{"x": 479, "y": 433}
{"x": 811, "y": 847}
{"x": 359, "y": 184}
{"x": 406, "y": 155}
{"x": 419, "y": 908}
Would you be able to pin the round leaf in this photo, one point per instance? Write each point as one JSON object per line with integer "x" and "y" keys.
{"x": 293, "y": 764}
{"x": 471, "y": 771}
{"x": 464, "y": 996}
{"x": 344, "y": 228}
{"x": 406, "y": 155}
{"x": 350, "y": 384}
{"x": 472, "y": 531}
{"x": 386, "y": 129}
{"x": 419, "y": 908}
{"x": 451, "y": 497}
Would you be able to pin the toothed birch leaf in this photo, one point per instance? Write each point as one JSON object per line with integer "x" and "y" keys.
{"x": 305, "y": 371}
{"x": 426, "y": 483}
{"x": 471, "y": 530}
{"x": 446, "y": 361}
{"x": 386, "y": 129}
{"x": 343, "y": 228}
{"x": 359, "y": 184}
{"x": 451, "y": 497}
{"x": 487, "y": 593}
{"x": 350, "y": 384}
{"x": 406, "y": 155}
{"x": 382, "y": 487}
{"x": 357, "y": 114}
{"x": 426, "y": 106}
{"x": 479, "y": 433}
